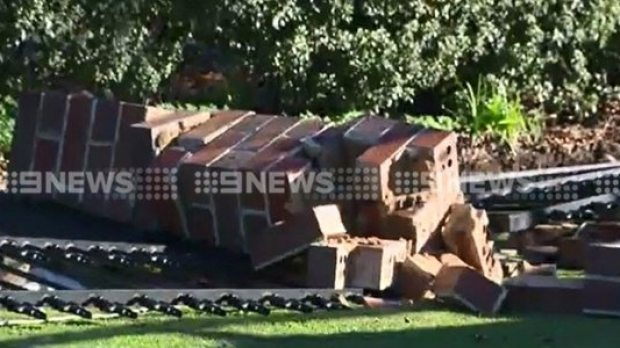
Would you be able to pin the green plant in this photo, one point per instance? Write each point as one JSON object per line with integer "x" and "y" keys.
{"x": 492, "y": 109}
{"x": 447, "y": 123}
{"x": 8, "y": 107}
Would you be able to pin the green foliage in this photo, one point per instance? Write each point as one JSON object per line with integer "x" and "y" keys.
{"x": 447, "y": 123}
{"x": 487, "y": 110}
{"x": 495, "y": 110}
{"x": 325, "y": 56}
{"x": 8, "y": 108}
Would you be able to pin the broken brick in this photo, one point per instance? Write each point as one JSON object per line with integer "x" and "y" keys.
{"x": 601, "y": 296}
{"x": 373, "y": 266}
{"x": 550, "y": 234}
{"x": 465, "y": 234}
{"x": 537, "y": 254}
{"x": 365, "y": 133}
{"x": 294, "y": 235}
{"x": 469, "y": 288}
{"x": 416, "y": 275}
{"x": 605, "y": 232}
{"x": 571, "y": 253}
{"x": 377, "y": 162}
{"x": 602, "y": 259}
{"x": 163, "y": 206}
{"x": 327, "y": 265}
{"x": 544, "y": 294}
{"x": 417, "y": 224}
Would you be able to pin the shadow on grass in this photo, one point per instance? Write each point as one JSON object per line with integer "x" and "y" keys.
{"x": 423, "y": 327}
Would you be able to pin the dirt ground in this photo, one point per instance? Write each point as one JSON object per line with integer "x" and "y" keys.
{"x": 558, "y": 146}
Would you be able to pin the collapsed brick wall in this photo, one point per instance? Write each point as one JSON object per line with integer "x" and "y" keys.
{"x": 61, "y": 133}
{"x": 393, "y": 181}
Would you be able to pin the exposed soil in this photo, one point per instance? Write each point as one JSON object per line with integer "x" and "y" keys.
{"x": 558, "y": 146}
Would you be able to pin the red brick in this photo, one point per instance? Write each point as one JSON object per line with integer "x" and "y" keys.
{"x": 327, "y": 148}
{"x": 189, "y": 180}
{"x": 46, "y": 153}
{"x": 184, "y": 120}
{"x": 201, "y": 226}
{"x": 165, "y": 210}
{"x": 537, "y": 254}
{"x": 267, "y": 134}
{"x": 75, "y": 141}
{"x": 605, "y": 231}
{"x": 150, "y": 137}
{"x": 273, "y": 152}
{"x": 233, "y": 159}
{"x": 416, "y": 275}
{"x": 98, "y": 165}
{"x": 219, "y": 123}
{"x": 120, "y": 209}
{"x": 328, "y": 265}
{"x": 22, "y": 148}
{"x": 469, "y": 288}
{"x": 365, "y": 133}
{"x": 369, "y": 129}
{"x": 132, "y": 113}
{"x": 379, "y": 158}
{"x": 52, "y": 118}
{"x": 76, "y": 138}
{"x": 285, "y": 176}
{"x": 305, "y": 128}
{"x": 374, "y": 266}
{"x": 294, "y": 235}
{"x": 45, "y": 159}
{"x": 433, "y": 144}
{"x": 228, "y": 220}
{"x": 418, "y": 223}
{"x": 124, "y": 152}
{"x": 602, "y": 259}
{"x": 254, "y": 198}
{"x": 571, "y": 253}
{"x": 99, "y": 158}
{"x": 370, "y": 218}
{"x": 226, "y": 200}
{"x": 213, "y": 150}
{"x": 105, "y": 121}
{"x": 253, "y": 223}
{"x": 431, "y": 155}
{"x": 601, "y": 296}
{"x": 544, "y": 294}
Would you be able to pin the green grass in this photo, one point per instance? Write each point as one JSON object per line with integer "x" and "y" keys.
{"x": 364, "y": 328}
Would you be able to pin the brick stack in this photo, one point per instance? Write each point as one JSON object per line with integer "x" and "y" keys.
{"x": 417, "y": 172}
{"x": 265, "y": 146}
{"x": 345, "y": 261}
{"x": 60, "y": 134}
{"x": 397, "y": 181}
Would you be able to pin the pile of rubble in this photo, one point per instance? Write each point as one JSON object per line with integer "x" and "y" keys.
{"x": 373, "y": 204}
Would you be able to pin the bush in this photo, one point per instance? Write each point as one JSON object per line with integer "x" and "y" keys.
{"x": 323, "y": 56}
{"x": 8, "y": 107}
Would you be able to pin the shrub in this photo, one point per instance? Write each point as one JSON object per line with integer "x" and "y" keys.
{"x": 8, "y": 107}
{"x": 324, "y": 56}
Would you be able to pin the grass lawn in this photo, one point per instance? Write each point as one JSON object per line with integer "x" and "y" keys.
{"x": 427, "y": 328}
